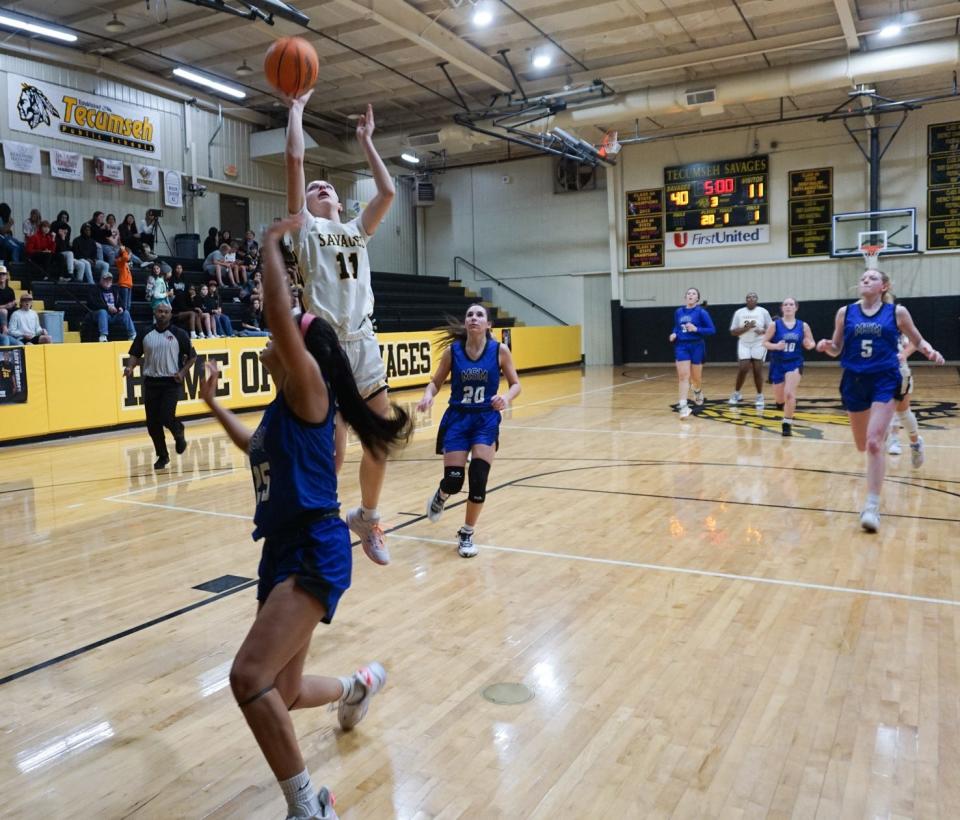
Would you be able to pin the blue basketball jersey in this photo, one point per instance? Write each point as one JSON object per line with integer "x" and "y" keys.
{"x": 870, "y": 342}
{"x": 474, "y": 382}
{"x": 293, "y": 468}
{"x": 792, "y": 337}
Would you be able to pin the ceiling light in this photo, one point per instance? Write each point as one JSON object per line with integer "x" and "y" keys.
{"x": 542, "y": 59}
{"x": 482, "y": 17}
{"x": 410, "y": 157}
{"x": 890, "y": 30}
{"x": 199, "y": 79}
{"x": 34, "y": 28}
{"x": 116, "y": 25}
{"x": 243, "y": 70}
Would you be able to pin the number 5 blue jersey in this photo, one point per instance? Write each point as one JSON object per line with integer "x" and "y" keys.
{"x": 870, "y": 342}
{"x": 474, "y": 382}
{"x": 293, "y": 469}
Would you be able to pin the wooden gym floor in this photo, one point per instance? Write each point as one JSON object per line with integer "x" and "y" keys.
{"x": 704, "y": 628}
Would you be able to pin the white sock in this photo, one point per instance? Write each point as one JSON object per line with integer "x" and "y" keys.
{"x": 909, "y": 422}
{"x": 467, "y": 529}
{"x": 370, "y": 513}
{"x": 683, "y": 403}
{"x": 302, "y": 800}
{"x": 787, "y": 421}
{"x": 873, "y": 500}
{"x": 353, "y": 689}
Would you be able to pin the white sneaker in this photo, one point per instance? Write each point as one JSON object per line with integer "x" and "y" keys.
{"x": 371, "y": 678}
{"x": 371, "y": 536}
{"x": 466, "y": 547}
{"x": 870, "y": 519}
{"x": 893, "y": 445}
{"x": 735, "y": 398}
{"x": 326, "y": 798}
{"x": 759, "y": 403}
{"x": 698, "y": 398}
{"x": 435, "y": 506}
{"x": 916, "y": 453}
{"x": 685, "y": 411}
{"x": 102, "y": 339}
{"x": 193, "y": 334}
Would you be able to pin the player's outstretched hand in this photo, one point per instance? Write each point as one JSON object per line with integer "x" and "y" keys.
{"x": 208, "y": 386}
{"x": 673, "y": 337}
{"x": 300, "y": 101}
{"x": 289, "y": 223}
{"x": 365, "y": 124}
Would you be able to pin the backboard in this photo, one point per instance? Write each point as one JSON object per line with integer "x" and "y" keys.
{"x": 894, "y": 230}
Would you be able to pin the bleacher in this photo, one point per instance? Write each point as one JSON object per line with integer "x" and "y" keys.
{"x": 403, "y": 302}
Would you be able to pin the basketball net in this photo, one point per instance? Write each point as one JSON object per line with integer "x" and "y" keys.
{"x": 609, "y": 146}
{"x": 871, "y": 255}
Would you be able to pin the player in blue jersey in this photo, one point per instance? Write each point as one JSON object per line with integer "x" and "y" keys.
{"x": 306, "y": 560}
{"x": 471, "y": 423}
{"x": 786, "y": 339}
{"x": 691, "y": 324}
{"x": 865, "y": 337}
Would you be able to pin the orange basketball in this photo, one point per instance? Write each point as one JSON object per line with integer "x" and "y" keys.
{"x": 291, "y": 66}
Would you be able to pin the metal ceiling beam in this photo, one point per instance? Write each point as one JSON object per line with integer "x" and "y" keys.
{"x": 425, "y": 32}
{"x": 847, "y": 24}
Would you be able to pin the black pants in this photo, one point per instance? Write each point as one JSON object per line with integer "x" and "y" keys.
{"x": 160, "y": 397}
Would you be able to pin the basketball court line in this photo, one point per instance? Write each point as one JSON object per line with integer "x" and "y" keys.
{"x": 730, "y": 576}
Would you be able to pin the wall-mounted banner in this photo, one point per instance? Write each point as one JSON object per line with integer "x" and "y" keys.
{"x": 109, "y": 171}
{"x": 172, "y": 189}
{"x": 144, "y": 177}
{"x": 66, "y": 165}
{"x": 21, "y": 156}
{"x": 57, "y": 112}
{"x": 701, "y": 240}
{"x": 13, "y": 375}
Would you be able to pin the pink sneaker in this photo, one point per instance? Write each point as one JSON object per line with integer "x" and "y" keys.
{"x": 371, "y": 536}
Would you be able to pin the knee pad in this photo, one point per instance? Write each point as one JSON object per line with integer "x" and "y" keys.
{"x": 908, "y": 421}
{"x": 478, "y": 473}
{"x": 452, "y": 481}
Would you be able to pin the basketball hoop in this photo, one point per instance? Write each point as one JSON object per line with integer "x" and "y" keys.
{"x": 871, "y": 253}
{"x": 609, "y": 146}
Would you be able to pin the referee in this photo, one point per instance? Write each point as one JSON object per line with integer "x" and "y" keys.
{"x": 165, "y": 355}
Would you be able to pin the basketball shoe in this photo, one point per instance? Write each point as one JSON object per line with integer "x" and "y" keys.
{"x": 465, "y": 545}
{"x": 371, "y": 536}
{"x": 365, "y": 683}
{"x": 435, "y": 506}
{"x": 916, "y": 453}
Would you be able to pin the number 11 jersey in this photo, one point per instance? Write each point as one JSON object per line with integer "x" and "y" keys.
{"x": 335, "y": 267}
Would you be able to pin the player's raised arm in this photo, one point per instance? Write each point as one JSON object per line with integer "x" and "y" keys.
{"x": 377, "y": 208}
{"x": 294, "y": 151}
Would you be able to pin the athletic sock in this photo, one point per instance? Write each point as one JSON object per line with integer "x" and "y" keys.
{"x": 369, "y": 513}
{"x": 787, "y": 421}
{"x": 873, "y": 500}
{"x": 353, "y": 690}
{"x": 467, "y": 529}
{"x": 302, "y": 800}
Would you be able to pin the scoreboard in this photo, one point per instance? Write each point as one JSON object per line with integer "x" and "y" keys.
{"x": 725, "y": 193}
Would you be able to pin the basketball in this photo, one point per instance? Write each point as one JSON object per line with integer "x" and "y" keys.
{"x": 291, "y": 66}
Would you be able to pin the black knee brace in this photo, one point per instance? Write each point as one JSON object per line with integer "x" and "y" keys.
{"x": 452, "y": 481}
{"x": 477, "y": 474}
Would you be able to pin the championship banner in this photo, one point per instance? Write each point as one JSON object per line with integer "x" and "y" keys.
{"x": 172, "y": 189}
{"x": 144, "y": 177}
{"x": 48, "y": 110}
{"x": 22, "y": 157}
{"x": 109, "y": 171}
{"x": 66, "y": 165}
{"x": 13, "y": 376}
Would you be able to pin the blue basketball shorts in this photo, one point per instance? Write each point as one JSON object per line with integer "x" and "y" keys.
{"x": 779, "y": 369}
{"x": 693, "y": 352}
{"x": 460, "y": 430}
{"x": 860, "y": 390}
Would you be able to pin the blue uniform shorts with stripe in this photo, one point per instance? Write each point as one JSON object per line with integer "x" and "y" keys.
{"x": 779, "y": 370}
{"x": 462, "y": 429}
{"x": 693, "y": 352}
{"x": 859, "y": 390}
{"x": 318, "y": 554}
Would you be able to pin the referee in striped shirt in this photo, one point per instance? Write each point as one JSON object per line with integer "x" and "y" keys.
{"x": 165, "y": 355}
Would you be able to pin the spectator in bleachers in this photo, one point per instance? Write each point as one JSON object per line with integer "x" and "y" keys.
{"x": 124, "y": 277}
{"x": 182, "y": 304}
{"x": 8, "y": 242}
{"x": 235, "y": 258}
{"x": 130, "y": 236}
{"x": 101, "y": 235}
{"x": 211, "y": 243}
{"x": 79, "y": 269}
{"x": 159, "y": 291}
{"x": 113, "y": 238}
{"x": 42, "y": 249}
{"x": 216, "y": 264}
{"x": 104, "y": 302}
{"x": 204, "y": 319}
{"x": 223, "y": 325}
{"x": 252, "y": 287}
{"x": 84, "y": 247}
{"x": 8, "y": 299}
{"x": 62, "y": 221}
{"x": 252, "y": 322}
{"x": 25, "y": 324}
{"x": 226, "y": 237}
{"x": 250, "y": 249}
{"x": 148, "y": 233}
{"x": 31, "y": 224}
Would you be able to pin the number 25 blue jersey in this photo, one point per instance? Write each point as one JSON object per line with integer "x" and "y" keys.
{"x": 474, "y": 382}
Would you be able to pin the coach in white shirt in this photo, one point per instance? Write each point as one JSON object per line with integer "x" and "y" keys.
{"x": 749, "y": 325}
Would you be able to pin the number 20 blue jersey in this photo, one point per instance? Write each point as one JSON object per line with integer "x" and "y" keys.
{"x": 474, "y": 383}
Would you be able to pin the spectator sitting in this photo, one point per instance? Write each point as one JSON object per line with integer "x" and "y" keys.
{"x": 101, "y": 235}
{"x": 226, "y": 237}
{"x": 252, "y": 287}
{"x": 62, "y": 221}
{"x": 210, "y": 244}
{"x": 252, "y": 323}
{"x": 148, "y": 233}
{"x": 204, "y": 319}
{"x": 115, "y": 242}
{"x": 183, "y": 313}
{"x": 216, "y": 265}
{"x": 31, "y": 224}
{"x": 235, "y": 258}
{"x": 8, "y": 242}
{"x": 130, "y": 236}
{"x": 104, "y": 303}
{"x": 8, "y": 299}
{"x": 224, "y": 326}
{"x": 79, "y": 269}
{"x": 250, "y": 248}
{"x": 42, "y": 248}
{"x": 85, "y": 247}
{"x": 25, "y": 324}
{"x": 159, "y": 291}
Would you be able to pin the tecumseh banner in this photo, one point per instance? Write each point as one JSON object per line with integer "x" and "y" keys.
{"x": 44, "y": 109}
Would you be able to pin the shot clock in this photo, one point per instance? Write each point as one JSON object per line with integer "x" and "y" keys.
{"x": 726, "y": 193}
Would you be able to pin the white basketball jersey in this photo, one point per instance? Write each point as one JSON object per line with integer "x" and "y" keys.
{"x": 336, "y": 270}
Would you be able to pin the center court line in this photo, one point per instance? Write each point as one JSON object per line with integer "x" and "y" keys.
{"x": 755, "y": 579}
